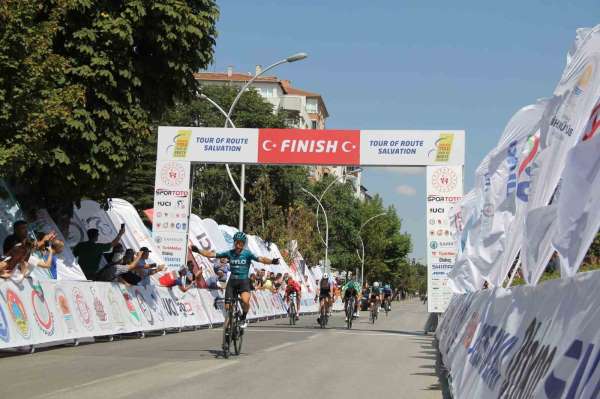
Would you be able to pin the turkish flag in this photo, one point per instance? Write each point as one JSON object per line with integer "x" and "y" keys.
{"x": 309, "y": 147}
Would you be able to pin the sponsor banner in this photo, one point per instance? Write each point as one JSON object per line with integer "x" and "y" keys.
{"x": 44, "y": 311}
{"x": 309, "y": 147}
{"x": 444, "y": 192}
{"x": 412, "y": 147}
{"x": 170, "y": 221}
{"x": 218, "y": 145}
{"x": 526, "y": 341}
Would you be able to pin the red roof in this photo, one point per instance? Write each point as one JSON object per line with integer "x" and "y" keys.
{"x": 235, "y": 77}
{"x": 242, "y": 77}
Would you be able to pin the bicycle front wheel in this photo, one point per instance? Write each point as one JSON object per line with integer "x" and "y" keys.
{"x": 238, "y": 338}
{"x": 226, "y": 338}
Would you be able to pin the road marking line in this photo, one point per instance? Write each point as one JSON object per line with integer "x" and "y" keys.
{"x": 278, "y": 347}
{"x": 168, "y": 367}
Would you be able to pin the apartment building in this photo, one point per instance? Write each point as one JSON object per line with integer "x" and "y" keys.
{"x": 307, "y": 108}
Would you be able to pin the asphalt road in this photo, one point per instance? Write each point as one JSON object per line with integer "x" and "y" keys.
{"x": 392, "y": 357}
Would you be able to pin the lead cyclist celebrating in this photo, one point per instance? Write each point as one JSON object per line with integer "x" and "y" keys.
{"x": 240, "y": 260}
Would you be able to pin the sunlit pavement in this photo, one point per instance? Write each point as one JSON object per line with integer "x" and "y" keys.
{"x": 391, "y": 357}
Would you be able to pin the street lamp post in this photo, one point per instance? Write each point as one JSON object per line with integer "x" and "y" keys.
{"x": 323, "y": 195}
{"x": 222, "y": 111}
{"x": 292, "y": 58}
{"x": 362, "y": 244}
{"x": 326, "y": 227}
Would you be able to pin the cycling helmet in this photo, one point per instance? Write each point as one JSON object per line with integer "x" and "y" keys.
{"x": 376, "y": 284}
{"x": 387, "y": 286}
{"x": 325, "y": 275}
{"x": 239, "y": 236}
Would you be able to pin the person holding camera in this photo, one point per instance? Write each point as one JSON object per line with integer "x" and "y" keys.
{"x": 89, "y": 253}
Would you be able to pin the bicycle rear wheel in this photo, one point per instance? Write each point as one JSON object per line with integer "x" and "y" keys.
{"x": 349, "y": 313}
{"x": 292, "y": 313}
{"x": 238, "y": 338}
{"x": 227, "y": 336}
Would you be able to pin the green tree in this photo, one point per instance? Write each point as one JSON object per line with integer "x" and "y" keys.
{"x": 81, "y": 81}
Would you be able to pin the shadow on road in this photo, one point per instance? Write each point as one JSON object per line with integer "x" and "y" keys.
{"x": 317, "y": 328}
{"x": 427, "y": 352}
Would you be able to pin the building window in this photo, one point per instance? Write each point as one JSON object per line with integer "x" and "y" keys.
{"x": 311, "y": 107}
{"x": 313, "y": 124}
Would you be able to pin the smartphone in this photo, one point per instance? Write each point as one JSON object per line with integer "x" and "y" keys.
{"x": 48, "y": 244}
{"x": 122, "y": 226}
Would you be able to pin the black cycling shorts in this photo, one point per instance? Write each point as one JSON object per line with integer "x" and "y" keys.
{"x": 236, "y": 287}
{"x": 350, "y": 292}
{"x": 374, "y": 297}
{"x": 324, "y": 294}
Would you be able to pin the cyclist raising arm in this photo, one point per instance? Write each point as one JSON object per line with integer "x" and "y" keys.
{"x": 240, "y": 260}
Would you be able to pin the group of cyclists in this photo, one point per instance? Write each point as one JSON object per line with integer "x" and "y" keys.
{"x": 239, "y": 284}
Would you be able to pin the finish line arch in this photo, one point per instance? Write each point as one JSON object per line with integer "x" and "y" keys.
{"x": 442, "y": 152}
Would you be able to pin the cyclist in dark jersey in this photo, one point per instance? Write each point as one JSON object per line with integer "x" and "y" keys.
{"x": 240, "y": 260}
{"x": 387, "y": 296}
{"x": 325, "y": 295}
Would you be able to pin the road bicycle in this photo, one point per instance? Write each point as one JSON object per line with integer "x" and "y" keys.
{"x": 350, "y": 306}
{"x": 374, "y": 312}
{"x": 233, "y": 333}
{"x": 387, "y": 306}
{"x": 292, "y": 312}
{"x": 323, "y": 314}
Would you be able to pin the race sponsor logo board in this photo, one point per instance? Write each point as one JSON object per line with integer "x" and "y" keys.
{"x": 18, "y": 313}
{"x": 83, "y": 309}
{"x": 170, "y": 221}
{"x": 444, "y": 190}
{"x": 42, "y": 314}
{"x": 62, "y": 304}
{"x": 412, "y": 147}
{"x": 218, "y": 145}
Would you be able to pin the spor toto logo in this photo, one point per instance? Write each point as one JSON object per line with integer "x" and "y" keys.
{"x": 444, "y": 180}
{"x": 18, "y": 313}
{"x": 172, "y": 174}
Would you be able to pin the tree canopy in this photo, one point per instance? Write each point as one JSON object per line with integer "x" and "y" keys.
{"x": 81, "y": 82}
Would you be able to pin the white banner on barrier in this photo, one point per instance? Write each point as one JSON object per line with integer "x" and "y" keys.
{"x": 444, "y": 191}
{"x": 535, "y": 342}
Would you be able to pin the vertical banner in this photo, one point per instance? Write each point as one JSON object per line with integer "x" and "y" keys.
{"x": 171, "y": 210}
{"x": 444, "y": 191}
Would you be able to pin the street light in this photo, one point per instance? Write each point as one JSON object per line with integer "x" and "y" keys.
{"x": 362, "y": 244}
{"x": 222, "y": 111}
{"x": 358, "y": 170}
{"x": 326, "y": 242}
{"x": 291, "y": 58}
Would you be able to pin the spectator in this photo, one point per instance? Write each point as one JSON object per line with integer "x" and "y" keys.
{"x": 223, "y": 265}
{"x": 108, "y": 272}
{"x": 253, "y": 282}
{"x": 184, "y": 278}
{"x": 44, "y": 254}
{"x": 278, "y": 281}
{"x": 125, "y": 269}
{"x": 17, "y": 256}
{"x": 216, "y": 282}
{"x": 268, "y": 285}
{"x": 18, "y": 236}
{"x": 89, "y": 253}
{"x": 145, "y": 269}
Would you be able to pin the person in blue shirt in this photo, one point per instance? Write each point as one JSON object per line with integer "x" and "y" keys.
{"x": 240, "y": 260}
